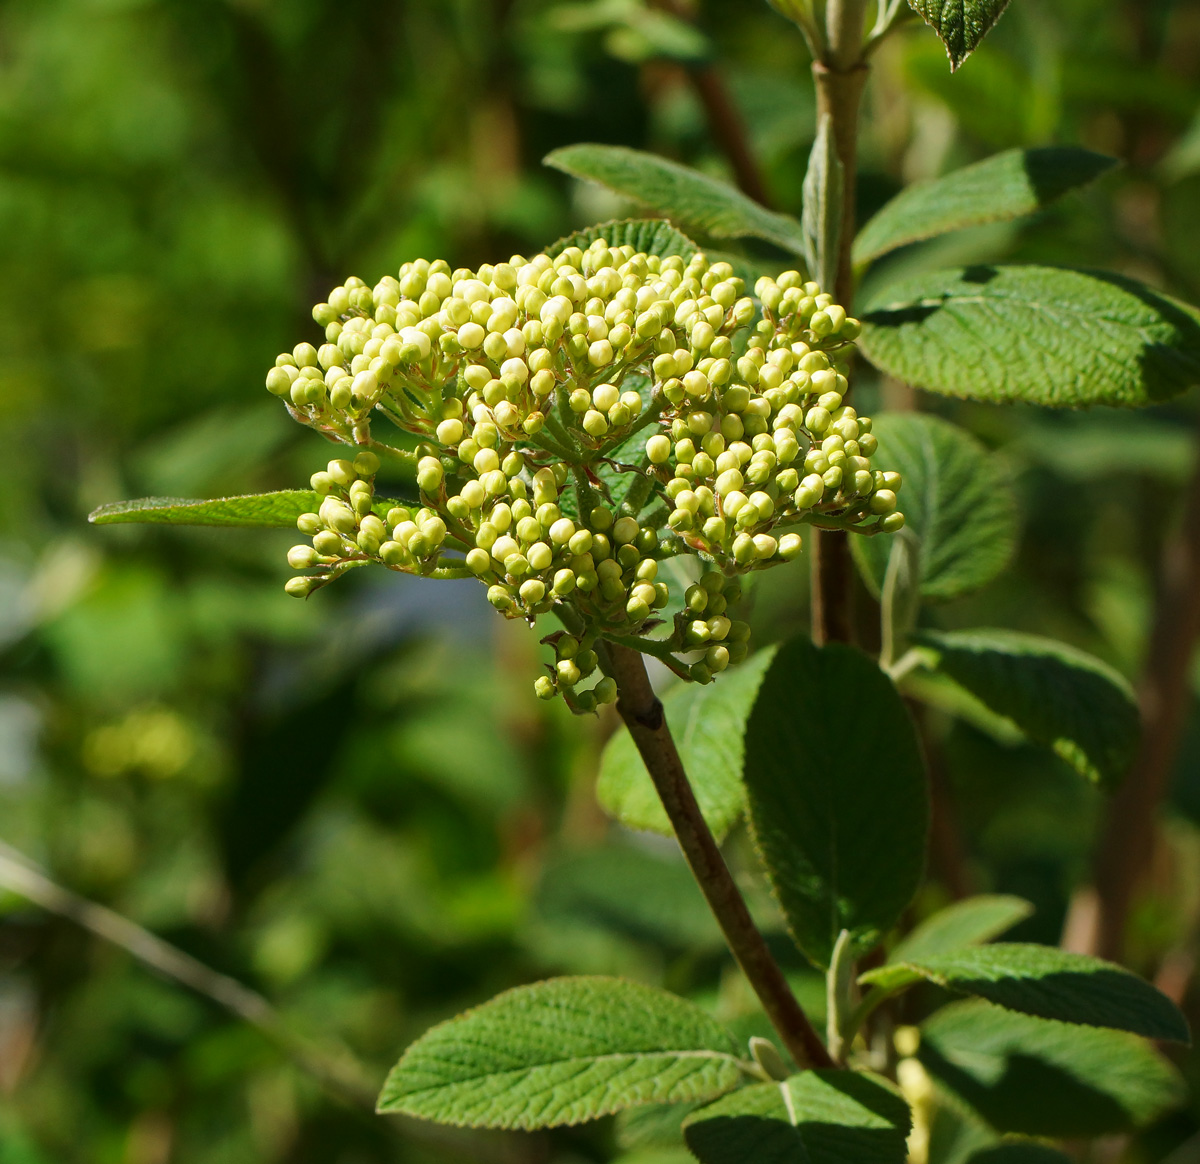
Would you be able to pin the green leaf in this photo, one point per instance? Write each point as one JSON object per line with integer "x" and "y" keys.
{"x": 560, "y": 1052}
{"x": 965, "y": 923}
{"x": 957, "y": 501}
{"x": 708, "y": 723}
{"x": 1005, "y": 186}
{"x": 694, "y": 200}
{"x": 1020, "y": 1152}
{"x": 1043, "y": 335}
{"x": 960, "y": 24}
{"x": 649, "y": 236}
{"x": 260, "y": 510}
{"x": 1045, "y": 1078}
{"x": 836, "y": 795}
{"x": 657, "y": 1156}
{"x": 630, "y": 891}
{"x": 656, "y": 1125}
{"x": 1058, "y": 696}
{"x": 816, "y": 1117}
{"x": 1048, "y": 983}
{"x": 822, "y": 218}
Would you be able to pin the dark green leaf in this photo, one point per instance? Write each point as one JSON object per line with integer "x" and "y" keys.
{"x": 822, "y": 218}
{"x": 1048, "y": 983}
{"x": 836, "y": 795}
{"x": 816, "y": 1117}
{"x": 1042, "y": 335}
{"x": 561, "y": 1052}
{"x": 957, "y": 502}
{"x": 649, "y": 236}
{"x": 1058, "y": 696}
{"x": 1007, "y": 185}
{"x": 1046, "y": 1078}
{"x": 708, "y": 723}
{"x": 277, "y": 510}
{"x": 965, "y": 923}
{"x": 960, "y": 24}
{"x": 694, "y": 200}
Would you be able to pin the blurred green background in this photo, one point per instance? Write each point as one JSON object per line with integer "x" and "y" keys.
{"x": 354, "y": 805}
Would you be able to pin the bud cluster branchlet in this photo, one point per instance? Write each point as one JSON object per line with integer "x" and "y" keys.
{"x": 579, "y": 419}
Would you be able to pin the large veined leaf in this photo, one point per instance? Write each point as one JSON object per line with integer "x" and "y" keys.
{"x": 1048, "y": 983}
{"x": 1042, "y": 335}
{"x": 964, "y": 923}
{"x": 957, "y": 501}
{"x": 694, "y": 200}
{"x": 648, "y": 236}
{"x": 836, "y": 794}
{"x": 816, "y": 1117}
{"x": 708, "y": 723}
{"x": 960, "y": 24}
{"x": 1046, "y": 1078}
{"x": 263, "y": 510}
{"x": 1004, "y": 186}
{"x": 1058, "y": 696}
{"x": 560, "y": 1052}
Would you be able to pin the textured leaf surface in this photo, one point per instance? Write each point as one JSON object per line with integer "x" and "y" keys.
{"x": 1048, "y": 983}
{"x": 262, "y": 510}
{"x": 1004, "y": 186}
{"x": 694, "y": 200}
{"x": 560, "y": 1052}
{"x": 1043, "y": 335}
{"x": 1058, "y": 696}
{"x": 836, "y": 795}
{"x": 708, "y": 724}
{"x": 957, "y": 502}
{"x": 650, "y": 236}
{"x": 816, "y": 1117}
{"x": 965, "y": 923}
{"x": 960, "y": 24}
{"x": 1045, "y": 1078}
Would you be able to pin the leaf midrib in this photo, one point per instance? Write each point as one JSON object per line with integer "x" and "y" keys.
{"x": 582, "y": 1061}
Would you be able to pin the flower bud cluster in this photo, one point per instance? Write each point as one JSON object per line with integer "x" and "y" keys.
{"x": 528, "y": 383}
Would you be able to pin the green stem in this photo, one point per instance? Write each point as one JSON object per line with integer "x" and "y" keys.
{"x": 643, "y": 715}
{"x": 839, "y": 76}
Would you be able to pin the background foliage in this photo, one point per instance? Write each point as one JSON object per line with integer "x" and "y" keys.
{"x": 353, "y": 805}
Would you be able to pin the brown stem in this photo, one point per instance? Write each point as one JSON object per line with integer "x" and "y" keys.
{"x": 832, "y": 587}
{"x": 1163, "y": 695}
{"x": 643, "y": 715}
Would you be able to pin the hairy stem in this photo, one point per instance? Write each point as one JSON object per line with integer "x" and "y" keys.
{"x": 643, "y": 715}
{"x": 839, "y": 77}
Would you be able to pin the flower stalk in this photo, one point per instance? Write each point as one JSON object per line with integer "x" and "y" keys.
{"x": 643, "y": 714}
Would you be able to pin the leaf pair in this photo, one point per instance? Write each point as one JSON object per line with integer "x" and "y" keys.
{"x": 575, "y": 1049}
